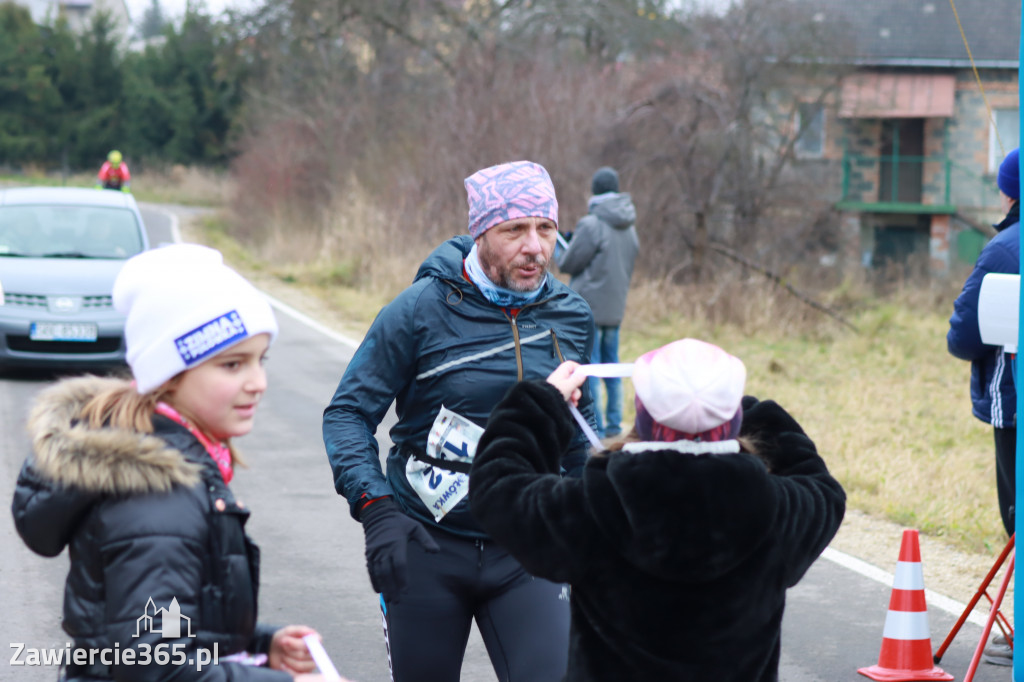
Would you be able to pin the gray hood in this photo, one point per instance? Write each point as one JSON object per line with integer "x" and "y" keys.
{"x": 616, "y": 209}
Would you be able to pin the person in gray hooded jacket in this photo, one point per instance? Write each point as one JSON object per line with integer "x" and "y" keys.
{"x": 600, "y": 260}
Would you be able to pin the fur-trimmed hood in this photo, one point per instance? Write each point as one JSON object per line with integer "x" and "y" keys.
{"x": 144, "y": 519}
{"x": 107, "y": 460}
{"x": 74, "y": 467}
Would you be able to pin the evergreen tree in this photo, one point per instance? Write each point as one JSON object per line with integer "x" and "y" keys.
{"x": 27, "y": 95}
{"x": 153, "y": 21}
{"x": 95, "y": 100}
{"x": 66, "y": 99}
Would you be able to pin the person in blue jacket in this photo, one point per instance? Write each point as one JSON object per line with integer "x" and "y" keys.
{"x": 993, "y": 396}
{"x": 482, "y": 314}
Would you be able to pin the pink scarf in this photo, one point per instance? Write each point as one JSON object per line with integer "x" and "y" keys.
{"x": 219, "y": 451}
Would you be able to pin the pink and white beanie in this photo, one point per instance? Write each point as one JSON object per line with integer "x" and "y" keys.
{"x": 688, "y": 390}
{"x": 521, "y": 189}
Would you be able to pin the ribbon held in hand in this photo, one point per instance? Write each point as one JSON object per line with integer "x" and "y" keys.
{"x": 322, "y": 660}
{"x": 607, "y": 370}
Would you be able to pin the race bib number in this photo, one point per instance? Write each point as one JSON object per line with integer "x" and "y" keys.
{"x": 451, "y": 437}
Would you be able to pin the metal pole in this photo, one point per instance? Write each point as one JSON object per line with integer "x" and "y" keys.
{"x": 846, "y": 175}
{"x": 895, "y": 161}
{"x": 948, "y": 165}
{"x": 1018, "y": 524}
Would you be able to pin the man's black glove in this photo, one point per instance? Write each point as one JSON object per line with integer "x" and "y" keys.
{"x": 388, "y": 532}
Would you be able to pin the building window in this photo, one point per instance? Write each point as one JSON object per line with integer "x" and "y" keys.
{"x": 810, "y": 125}
{"x": 1007, "y": 123}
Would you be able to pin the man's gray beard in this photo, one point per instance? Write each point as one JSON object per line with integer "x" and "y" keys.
{"x": 504, "y": 281}
{"x": 507, "y": 283}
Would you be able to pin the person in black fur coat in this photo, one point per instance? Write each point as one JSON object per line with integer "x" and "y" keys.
{"x": 680, "y": 545}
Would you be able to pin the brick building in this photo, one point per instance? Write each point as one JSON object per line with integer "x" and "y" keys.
{"x": 910, "y": 130}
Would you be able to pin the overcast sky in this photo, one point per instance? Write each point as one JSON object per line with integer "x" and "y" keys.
{"x": 176, "y": 8}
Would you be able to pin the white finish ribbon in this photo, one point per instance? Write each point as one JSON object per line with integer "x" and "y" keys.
{"x": 320, "y": 657}
{"x": 607, "y": 370}
{"x": 595, "y": 442}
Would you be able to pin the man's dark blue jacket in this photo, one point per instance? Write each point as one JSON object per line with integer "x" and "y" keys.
{"x": 440, "y": 342}
{"x": 993, "y": 396}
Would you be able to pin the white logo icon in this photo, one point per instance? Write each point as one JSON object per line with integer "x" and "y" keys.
{"x": 64, "y": 304}
{"x": 169, "y": 619}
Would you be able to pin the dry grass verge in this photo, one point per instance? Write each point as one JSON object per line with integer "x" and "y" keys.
{"x": 182, "y": 185}
{"x": 173, "y": 185}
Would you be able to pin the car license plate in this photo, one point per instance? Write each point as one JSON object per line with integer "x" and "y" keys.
{"x": 63, "y": 331}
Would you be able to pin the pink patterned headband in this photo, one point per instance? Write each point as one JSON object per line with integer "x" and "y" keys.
{"x": 521, "y": 189}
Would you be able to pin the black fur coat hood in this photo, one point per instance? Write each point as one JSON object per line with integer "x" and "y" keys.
{"x": 679, "y": 561}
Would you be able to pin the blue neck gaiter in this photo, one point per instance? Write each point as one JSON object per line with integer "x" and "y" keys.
{"x": 499, "y": 296}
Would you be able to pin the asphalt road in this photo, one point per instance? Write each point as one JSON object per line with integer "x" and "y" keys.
{"x": 313, "y": 569}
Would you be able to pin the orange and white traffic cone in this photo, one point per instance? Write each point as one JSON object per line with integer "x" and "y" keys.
{"x": 906, "y": 643}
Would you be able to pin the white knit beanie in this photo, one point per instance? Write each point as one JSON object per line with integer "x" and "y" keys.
{"x": 183, "y": 306}
{"x": 689, "y": 385}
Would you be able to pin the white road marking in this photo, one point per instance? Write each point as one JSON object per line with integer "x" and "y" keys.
{"x": 950, "y": 606}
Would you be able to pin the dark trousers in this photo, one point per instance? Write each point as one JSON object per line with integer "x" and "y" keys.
{"x": 1006, "y": 475}
{"x": 523, "y": 620}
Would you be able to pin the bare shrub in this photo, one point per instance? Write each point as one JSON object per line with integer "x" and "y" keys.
{"x": 749, "y": 303}
{"x": 386, "y": 108}
{"x": 496, "y": 110}
{"x": 279, "y": 183}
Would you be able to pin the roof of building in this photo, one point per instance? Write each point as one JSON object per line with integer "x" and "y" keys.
{"x": 41, "y": 10}
{"x": 925, "y": 32}
{"x": 44, "y": 11}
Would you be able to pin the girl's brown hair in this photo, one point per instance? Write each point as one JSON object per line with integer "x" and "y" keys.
{"x": 120, "y": 406}
{"x": 747, "y": 444}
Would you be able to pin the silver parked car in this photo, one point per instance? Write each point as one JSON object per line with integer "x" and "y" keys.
{"x": 60, "y": 251}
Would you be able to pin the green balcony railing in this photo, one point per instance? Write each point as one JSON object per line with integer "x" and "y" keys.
{"x": 914, "y": 184}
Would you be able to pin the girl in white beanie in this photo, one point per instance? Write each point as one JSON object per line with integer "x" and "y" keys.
{"x": 132, "y": 477}
{"x": 679, "y": 546}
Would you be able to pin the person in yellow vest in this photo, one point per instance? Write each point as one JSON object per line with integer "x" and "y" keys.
{"x": 114, "y": 173}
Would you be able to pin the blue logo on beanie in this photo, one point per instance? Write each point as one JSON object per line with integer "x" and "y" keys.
{"x": 210, "y": 338}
